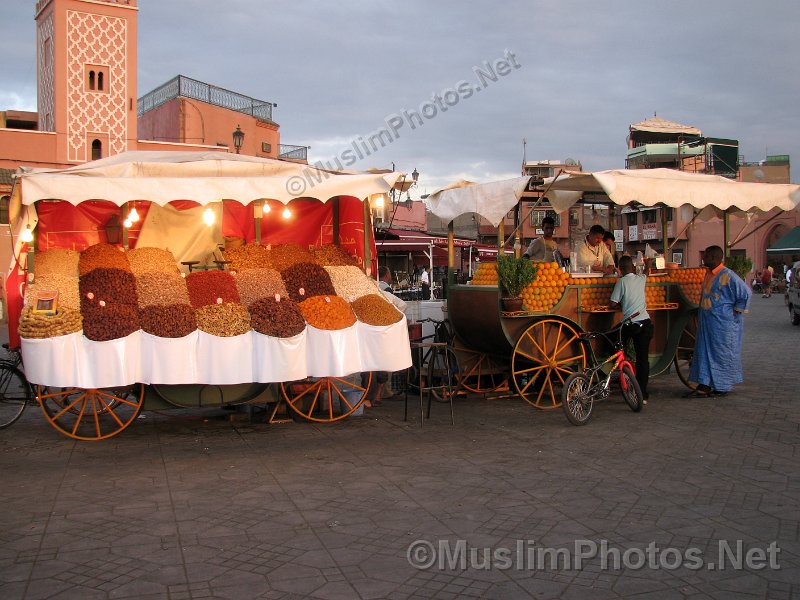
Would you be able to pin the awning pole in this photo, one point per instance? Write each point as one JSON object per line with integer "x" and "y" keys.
{"x": 726, "y": 234}
{"x": 367, "y": 232}
{"x": 664, "y": 232}
{"x": 470, "y": 261}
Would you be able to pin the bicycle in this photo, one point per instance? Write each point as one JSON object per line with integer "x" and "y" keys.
{"x": 15, "y": 391}
{"x": 583, "y": 388}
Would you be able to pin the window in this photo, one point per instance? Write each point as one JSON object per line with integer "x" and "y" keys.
{"x": 649, "y": 216}
{"x": 670, "y": 213}
{"x": 631, "y": 218}
{"x": 266, "y": 147}
{"x": 96, "y": 78}
{"x": 97, "y": 150}
{"x": 538, "y": 215}
{"x": 4, "y": 202}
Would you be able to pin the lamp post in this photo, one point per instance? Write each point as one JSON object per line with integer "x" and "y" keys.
{"x": 238, "y": 139}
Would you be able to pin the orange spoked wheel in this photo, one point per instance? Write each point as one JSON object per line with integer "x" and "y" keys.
{"x": 91, "y": 414}
{"x": 325, "y": 399}
{"x": 545, "y": 355}
{"x": 685, "y": 350}
{"x": 480, "y": 373}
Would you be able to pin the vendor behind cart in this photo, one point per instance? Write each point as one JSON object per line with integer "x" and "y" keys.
{"x": 593, "y": 255}
{"x": 542, "y": 248}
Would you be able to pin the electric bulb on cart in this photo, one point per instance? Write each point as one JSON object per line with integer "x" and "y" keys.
{"x": 208, "y": 217}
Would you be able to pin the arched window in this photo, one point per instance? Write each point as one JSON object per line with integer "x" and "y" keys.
{"x": 100, "y": 81}
{"x": 97, "y": 149}
{"x": 4, "y": 202}
{"x": 91, "y": 80}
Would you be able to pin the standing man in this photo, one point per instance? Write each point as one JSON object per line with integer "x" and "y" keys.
{"x": 425, "y": 281}
{"x": 717, "y": 358}
{"x": 593, "y": 253}
{"x": 628, "y": 294}
{"x": 611, "y": 244}
{"x": 541, "y": 249}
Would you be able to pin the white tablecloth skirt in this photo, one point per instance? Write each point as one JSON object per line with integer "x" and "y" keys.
{"x": 74, "y": 361}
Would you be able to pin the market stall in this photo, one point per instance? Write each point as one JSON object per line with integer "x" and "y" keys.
{"x": 113, "y": 333}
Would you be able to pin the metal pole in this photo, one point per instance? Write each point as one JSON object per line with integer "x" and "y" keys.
{"x": 664, "y": 232}
{"x": 726, "y": 233}
{"x": 367, "y": 233}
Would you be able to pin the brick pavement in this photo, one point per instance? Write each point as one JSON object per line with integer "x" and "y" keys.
{"x": 185, "y": 504}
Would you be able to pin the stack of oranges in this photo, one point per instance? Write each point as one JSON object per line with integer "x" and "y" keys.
{"x": 656, "y": 295}
{"x": 596, "y": 297}
{"x": 690, "y": 280}
{"x": 486, "y": 274}
{"x": 544, "y": 293}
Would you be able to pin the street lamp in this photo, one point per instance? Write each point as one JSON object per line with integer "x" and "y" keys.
{"x": 238, "y": 139}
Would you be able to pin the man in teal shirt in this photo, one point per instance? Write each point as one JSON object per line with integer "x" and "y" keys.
{"x": 628, "y": 294}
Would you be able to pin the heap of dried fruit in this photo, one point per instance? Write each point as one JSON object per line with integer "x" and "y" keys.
{"x": 168, "y": 321}
{"x": 376, "y": 310}
{"x": 223, "y": 320}
{"x": 305, "y": 279}
{"x": 327, "y": 312}
{"x": 331, "y": 255}
{"x": 102, "y": 256}
{"x": 211, "y": 287}
{"x": 277, "y": 319}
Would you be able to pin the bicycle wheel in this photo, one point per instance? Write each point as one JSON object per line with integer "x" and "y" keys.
{"x": 576, "y": 400}
{"x": 630, "y": 388}
{"x": 15, "y": 392}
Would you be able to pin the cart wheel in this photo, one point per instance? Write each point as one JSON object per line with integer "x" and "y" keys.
{"x": 685, "y": 350}
{"x": 577, "y": 402}
{"x": 546, "y": 354}
{"x": 91, "y": 414}
{"x": 443, "y": 384}
{"x": 480, "y": 373}
{"x": 310, "y": 398}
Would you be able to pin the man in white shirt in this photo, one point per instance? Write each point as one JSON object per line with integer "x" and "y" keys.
{"x": 541, "y": 249}
{"x": 593, "y": 254}
{"x": 425, "y": 281}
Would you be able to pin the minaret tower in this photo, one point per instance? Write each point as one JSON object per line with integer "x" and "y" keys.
{"x": 86, "y": 72}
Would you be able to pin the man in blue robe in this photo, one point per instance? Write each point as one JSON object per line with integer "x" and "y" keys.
{"x": 717, "y": 358}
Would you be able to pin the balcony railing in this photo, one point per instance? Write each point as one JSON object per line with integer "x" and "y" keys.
{"x": 211, "y": 94}
{"x": 292, "y": 152}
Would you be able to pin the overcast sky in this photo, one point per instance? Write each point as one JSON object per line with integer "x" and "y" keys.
{"x": 580, "y": 74}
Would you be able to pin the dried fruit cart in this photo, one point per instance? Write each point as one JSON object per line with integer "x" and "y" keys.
{"x": 94, "y": 377}
{"x": 538, "y": 348}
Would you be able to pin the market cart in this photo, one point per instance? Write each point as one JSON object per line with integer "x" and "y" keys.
{"x": 536, "y": 349}
{"x": 92, "y": 383}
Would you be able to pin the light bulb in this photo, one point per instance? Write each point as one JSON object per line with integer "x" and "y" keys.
{"x": 208, "y": 217}
{"x": 378, "y": 200}
{"x": 127, "y": 223}
{"x": 133, "y": 216}
{"x": 287, "y": 214}
{"x": 26, "y": 235}
{"x": 266, "y": 208}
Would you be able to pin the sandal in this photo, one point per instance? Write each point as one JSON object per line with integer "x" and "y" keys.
{"x": 698, "y": 393}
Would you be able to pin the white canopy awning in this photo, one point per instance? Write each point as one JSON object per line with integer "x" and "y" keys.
{"x": 203, "y": 177}
{"x": 710, "y": 194}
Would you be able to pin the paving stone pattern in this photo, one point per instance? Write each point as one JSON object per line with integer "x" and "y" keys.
{"x": 188, "y": 505}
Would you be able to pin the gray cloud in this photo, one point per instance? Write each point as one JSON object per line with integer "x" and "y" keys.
{"x": 589, "y": 70}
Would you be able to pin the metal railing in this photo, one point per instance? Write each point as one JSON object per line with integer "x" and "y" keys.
{"x": 292, "y": 152}
{"x": 204, "y": 92}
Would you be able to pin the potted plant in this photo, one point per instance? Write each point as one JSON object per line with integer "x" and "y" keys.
{"x": 514, "y": 275}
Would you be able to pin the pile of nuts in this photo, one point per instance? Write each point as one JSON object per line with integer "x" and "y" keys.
{"x": 331, "y": 255}
{"x": 110, "y": 322}
{"x": 211, "y": 287}
{"x": 168, "y": 320}
{"x": 56, "y": 261}
{"x": 327, "y": 312}
{"x": 223, "y": 320}
{"x": 102, "y": 255}
{"x": 375, "y": 310}
{"x": 255, "y": 284}
{"x": 151, "y": 260}
{"x": 281, "y": 319}
{"x": 350, "y": 282}
{"x": 286, "y": 255}
{"x": 154, "y": 288}
{"x": 306, "y": 279}
{"x": 32, "y": 325}
{"x": 67, "y": 286}
{"x": 251, "y": 256}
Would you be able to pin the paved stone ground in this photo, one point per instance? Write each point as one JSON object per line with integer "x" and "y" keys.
{"x": 185, "y": 504}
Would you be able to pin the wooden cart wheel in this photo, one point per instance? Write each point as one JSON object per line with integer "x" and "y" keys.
{"x": 91, "y": 414}
{"x": 685, "y": 351}
{"x": 311, "y": 398}
{"x": 480, "y": 373}
{"x": 545, "y": 355}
